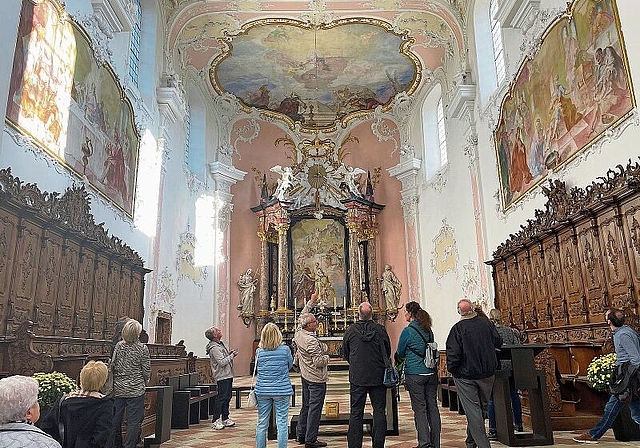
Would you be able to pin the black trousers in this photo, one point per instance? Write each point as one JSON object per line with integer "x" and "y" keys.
{"x": 221, "y": 405}
{"x": 378, "y": 397}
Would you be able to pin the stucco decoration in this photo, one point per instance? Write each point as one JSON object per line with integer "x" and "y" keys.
{"x": 444, "y": 257}
{"x": 185, "y": 260}
{"x": 316, "y": 76}
{"x": 165, "y": 297}
{"x": 439, "y": 180}
{"x": 471, "y": 286}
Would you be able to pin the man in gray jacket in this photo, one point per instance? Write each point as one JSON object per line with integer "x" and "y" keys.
{"x": 312, "y": 359}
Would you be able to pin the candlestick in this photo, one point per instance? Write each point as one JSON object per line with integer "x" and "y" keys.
{"x": 285, "y": 321}
{"x": 334, "y": 303}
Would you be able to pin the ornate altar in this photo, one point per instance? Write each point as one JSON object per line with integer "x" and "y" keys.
{"x": 556, "y": 277}
{"x": 318, "y": 233}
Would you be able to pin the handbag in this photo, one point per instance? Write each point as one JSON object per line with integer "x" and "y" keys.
{"x": 107, "y": 387}
{"x": 391, "y": 377}
{"x": 252, "y": 400}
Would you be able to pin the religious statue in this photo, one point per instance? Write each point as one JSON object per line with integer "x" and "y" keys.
{"x": 351, "y": 176}
{"x": 391, "y": 288}
{"x": 284, "y": 183}
{"x": 247, "y": 285}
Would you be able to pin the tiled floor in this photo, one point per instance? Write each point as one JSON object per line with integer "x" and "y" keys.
{"x": 243, "y": 434}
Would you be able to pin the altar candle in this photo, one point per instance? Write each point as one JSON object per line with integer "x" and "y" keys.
{"x": 295, "y": 316}
{"x": 285, "y": 321}
{"x": 334, "y": 303}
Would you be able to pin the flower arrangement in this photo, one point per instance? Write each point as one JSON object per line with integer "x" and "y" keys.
{"x": 600, "y": 370}
{"x": 52, "y": 386}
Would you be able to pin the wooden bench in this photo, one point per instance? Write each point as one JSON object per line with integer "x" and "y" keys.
{"x": 341, "y": 419}
{"x": 448, "y": 395}
{"x": 191, "y": 401}
{"x": 162, "y": 426}
{"x": 241, "y": 390}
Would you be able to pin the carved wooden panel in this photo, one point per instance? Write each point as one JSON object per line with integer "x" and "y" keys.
{"x": 615, "y": 260}
{"x": 513, "y": 276}
{"x": 125, "y": 296}
{"x": 572, "y": 281}
{"x": 136, "y": 309}
{"x": 539, "y": 290}
{"x": 85, "y": 293}
{"x": 113, "y": 295}
{"x": 68, "y": 287}
{"x": 8, "y": 239}
{"x": 98, "y": 312}
{"x": 25, "y": 273}
{"x": 47, "y": 290}
{"x": 592, "y": 269}
{"x": 503, "y": 301}
{"x": 554, "y": 282}
{"x": 526, "y": 295}
{"x": 631, "y": 227}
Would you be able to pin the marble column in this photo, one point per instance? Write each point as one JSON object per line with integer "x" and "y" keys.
{"x": 283, "y": 266}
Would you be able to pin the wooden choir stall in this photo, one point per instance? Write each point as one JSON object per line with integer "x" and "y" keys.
{"x": 556, "y": 277}
{"x": 64, "y": 283}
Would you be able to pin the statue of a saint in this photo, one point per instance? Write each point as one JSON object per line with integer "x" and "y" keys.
{"x": 391, "y": 288}
{"x": 247, "y": 285}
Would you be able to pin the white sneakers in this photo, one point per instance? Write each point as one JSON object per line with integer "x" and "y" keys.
{"x": 221, "y": 424}
{"x": 228, "y": 422}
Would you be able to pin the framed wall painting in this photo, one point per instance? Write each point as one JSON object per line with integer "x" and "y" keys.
{"x": 318, "y": 261}
{"x": 71, "y": 105}
{"x": 563, "y": 100}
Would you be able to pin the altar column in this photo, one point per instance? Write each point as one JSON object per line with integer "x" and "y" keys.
{"x": 355, "y": 285}
{"x": 264, "y": 265}
{"x": 283, "y": 267}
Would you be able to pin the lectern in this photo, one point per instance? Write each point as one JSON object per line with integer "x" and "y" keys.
{"x": 526, "y": 377}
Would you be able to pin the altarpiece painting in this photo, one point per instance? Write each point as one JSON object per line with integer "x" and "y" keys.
{"x": 575, "y": 88}
{"x": 70, "y": 104}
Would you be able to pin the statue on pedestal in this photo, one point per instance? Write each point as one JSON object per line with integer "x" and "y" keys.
{"x": 247, "y": 285}
{"x": 391, "y": 288}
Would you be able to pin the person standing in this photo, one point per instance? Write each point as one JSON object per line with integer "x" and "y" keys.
{"x": 627, "y": 347}
{"x": 313, "y": 361}
{"x": 471, "y": 359}
{"x": 422, "y": 382}
{"x": 273, "y": 385}
{"x": 510, "y": 336}
{"x": 221, "y": 360}
{"x": 365, "y": 346}
{"x": 131, "y": 373}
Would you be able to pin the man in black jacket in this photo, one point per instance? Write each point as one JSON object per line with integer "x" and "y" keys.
{"x": 365, "y": 346}
{"x": 472, "y": 360}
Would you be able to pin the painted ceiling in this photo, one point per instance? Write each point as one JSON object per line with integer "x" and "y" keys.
{"x": 316, "y": 64}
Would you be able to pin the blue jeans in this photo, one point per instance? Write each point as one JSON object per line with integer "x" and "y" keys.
{"x": 135, "y": 413}
{"x": 311, "y": 411}
{"x": 611, "y": 411}
{"x": 516, "y": 408}
{"x": 281, "y": 405}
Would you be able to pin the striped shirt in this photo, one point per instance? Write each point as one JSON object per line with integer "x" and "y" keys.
{"x": 131, "y": 369}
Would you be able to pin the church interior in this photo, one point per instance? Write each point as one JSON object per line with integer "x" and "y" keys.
{"x": 193, "y": 163}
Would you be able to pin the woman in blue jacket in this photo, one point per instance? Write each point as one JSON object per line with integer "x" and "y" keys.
{"x": 273, "y": 386}
{"x": 422, "y": 382}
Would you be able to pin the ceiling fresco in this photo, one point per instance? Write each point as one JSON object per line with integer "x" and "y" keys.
{"x": 314, "y": 75}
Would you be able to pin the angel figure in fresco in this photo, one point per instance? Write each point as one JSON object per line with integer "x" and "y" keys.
{"x": 247, "y": 285}
{"x": 391, "y": 288}
{"x": 284, "y": 183}
{"x": 326, "y": 293}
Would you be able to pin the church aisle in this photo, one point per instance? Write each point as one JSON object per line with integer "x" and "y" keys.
{"x": 243, "y": 434}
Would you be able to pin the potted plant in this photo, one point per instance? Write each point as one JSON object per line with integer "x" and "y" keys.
{"x": 52, "y": 386}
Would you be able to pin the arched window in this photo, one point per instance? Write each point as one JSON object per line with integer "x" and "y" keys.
{"x": 496, "y": 40}
{"x": 195, "y": 130}
{"x": 134, "y": 44}
{"x": 434, "y": 133}
{"x": 442, "y": 135}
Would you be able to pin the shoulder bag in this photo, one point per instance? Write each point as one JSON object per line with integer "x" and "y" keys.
{"x": 391, "y": 377}
{"x": 252, "y": 401}
{"x": 431, "y": 354}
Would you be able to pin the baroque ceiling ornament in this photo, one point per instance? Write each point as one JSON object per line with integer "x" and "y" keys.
{"x": 316, "y": 76}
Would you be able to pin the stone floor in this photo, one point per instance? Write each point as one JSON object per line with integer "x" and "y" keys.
{"x": 243, "y": 434}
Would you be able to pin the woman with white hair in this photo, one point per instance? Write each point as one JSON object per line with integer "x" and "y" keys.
{"x": 131, "y": 373}
{"x": 19, "y": 410}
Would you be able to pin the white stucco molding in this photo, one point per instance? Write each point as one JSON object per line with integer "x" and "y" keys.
{"x": 462, "y": 103}
{"x": 171, "y": 104}
{"x": 517, "y": 13}
{"x": 407, "y": 173}
{"x": 114, "y": 14}
{"x": 224, "y": 177}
